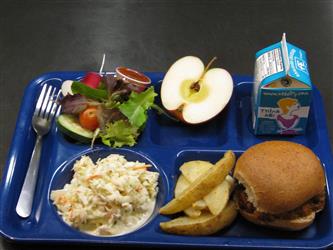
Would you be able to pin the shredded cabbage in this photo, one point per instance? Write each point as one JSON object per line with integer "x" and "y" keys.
{"x": 110, "y": 197}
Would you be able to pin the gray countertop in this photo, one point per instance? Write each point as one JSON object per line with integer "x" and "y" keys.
{"x": 42, "y": 36}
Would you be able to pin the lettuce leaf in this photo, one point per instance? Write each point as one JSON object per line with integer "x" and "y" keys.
{"x": 96, "y": 94}
{"x": 136, "y": 107}
{"x": 119, "y": 133}
{"x": 75, "y": 104}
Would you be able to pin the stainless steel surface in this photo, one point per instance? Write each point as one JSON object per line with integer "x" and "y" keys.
{"x": 41, "y": 122}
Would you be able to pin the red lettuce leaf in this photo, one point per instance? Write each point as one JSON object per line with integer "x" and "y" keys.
{"x": 75, "y": 104}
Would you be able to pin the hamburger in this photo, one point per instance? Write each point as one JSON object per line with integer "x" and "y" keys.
{"x": 281, "y": 185}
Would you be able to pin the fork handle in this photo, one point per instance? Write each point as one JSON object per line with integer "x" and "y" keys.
{"x": 24, "y": 204}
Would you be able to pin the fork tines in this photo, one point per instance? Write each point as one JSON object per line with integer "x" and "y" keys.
{"x": 47, "y": 102}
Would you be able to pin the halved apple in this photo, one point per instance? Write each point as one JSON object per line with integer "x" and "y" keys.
{"x": 195, "y": 94}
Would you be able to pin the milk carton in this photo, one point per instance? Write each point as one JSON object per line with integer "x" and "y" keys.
{"x": 281, "y": 91}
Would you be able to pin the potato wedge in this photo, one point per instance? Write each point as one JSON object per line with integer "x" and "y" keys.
{"x": 218, "y": 198}
{"x": 192, "y": 212}
{"x": 231, "y": 181}
{"x": 199, "y": 205}
{"x": 201, "y": 186}
{"x": 193, "y": 169}
{"x": 181, "y": 185}
{"x": 203, "y": 225}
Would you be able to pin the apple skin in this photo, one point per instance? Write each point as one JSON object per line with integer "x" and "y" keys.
{"x": 217, "y": 82}
{"x": 178, "y": 115}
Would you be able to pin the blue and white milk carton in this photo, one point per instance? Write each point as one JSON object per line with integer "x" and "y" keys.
{"x": 281, "y": 90}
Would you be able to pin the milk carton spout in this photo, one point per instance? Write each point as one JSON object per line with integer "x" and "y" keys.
{"x": 282, "y": 90}
{"x": 285, "y": 53}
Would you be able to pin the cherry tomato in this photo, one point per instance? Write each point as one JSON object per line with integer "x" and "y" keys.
{"x": 88, "y": 118}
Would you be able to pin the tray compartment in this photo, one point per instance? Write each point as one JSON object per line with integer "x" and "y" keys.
{"x": 211, "y": 134}
{"x": 244, "y": 229}
{"x": 167, "y": 132}
{"x": 64, "y": 174}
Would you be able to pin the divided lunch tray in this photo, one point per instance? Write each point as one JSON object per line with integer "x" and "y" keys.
{"x": 166, "y": 145}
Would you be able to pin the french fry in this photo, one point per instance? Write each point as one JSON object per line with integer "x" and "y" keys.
{"x": 201, "y": 186}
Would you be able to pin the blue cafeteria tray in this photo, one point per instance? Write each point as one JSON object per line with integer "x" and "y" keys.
{"x": 166, "y": 144}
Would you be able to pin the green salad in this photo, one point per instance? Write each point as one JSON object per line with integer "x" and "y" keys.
{"x": 105, "y": 108}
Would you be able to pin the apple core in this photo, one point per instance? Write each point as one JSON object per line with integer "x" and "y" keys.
{"x": 193, "y": 91}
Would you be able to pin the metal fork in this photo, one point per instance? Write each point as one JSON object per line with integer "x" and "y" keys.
{"x": 45, "y": 111}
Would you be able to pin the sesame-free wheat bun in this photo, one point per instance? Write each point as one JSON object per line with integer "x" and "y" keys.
{"x": 281, "y": 185}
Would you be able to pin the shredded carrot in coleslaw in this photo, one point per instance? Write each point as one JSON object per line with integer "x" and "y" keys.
{"x": 107, "y": 198}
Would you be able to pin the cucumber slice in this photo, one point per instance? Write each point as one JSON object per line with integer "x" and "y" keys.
{"x": 69, "y": 125}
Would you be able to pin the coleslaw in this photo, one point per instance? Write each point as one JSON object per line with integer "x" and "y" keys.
{"x": 111, "y": 197}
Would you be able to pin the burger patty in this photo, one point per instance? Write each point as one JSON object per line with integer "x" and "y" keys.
{"x": 315, "y": 204}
